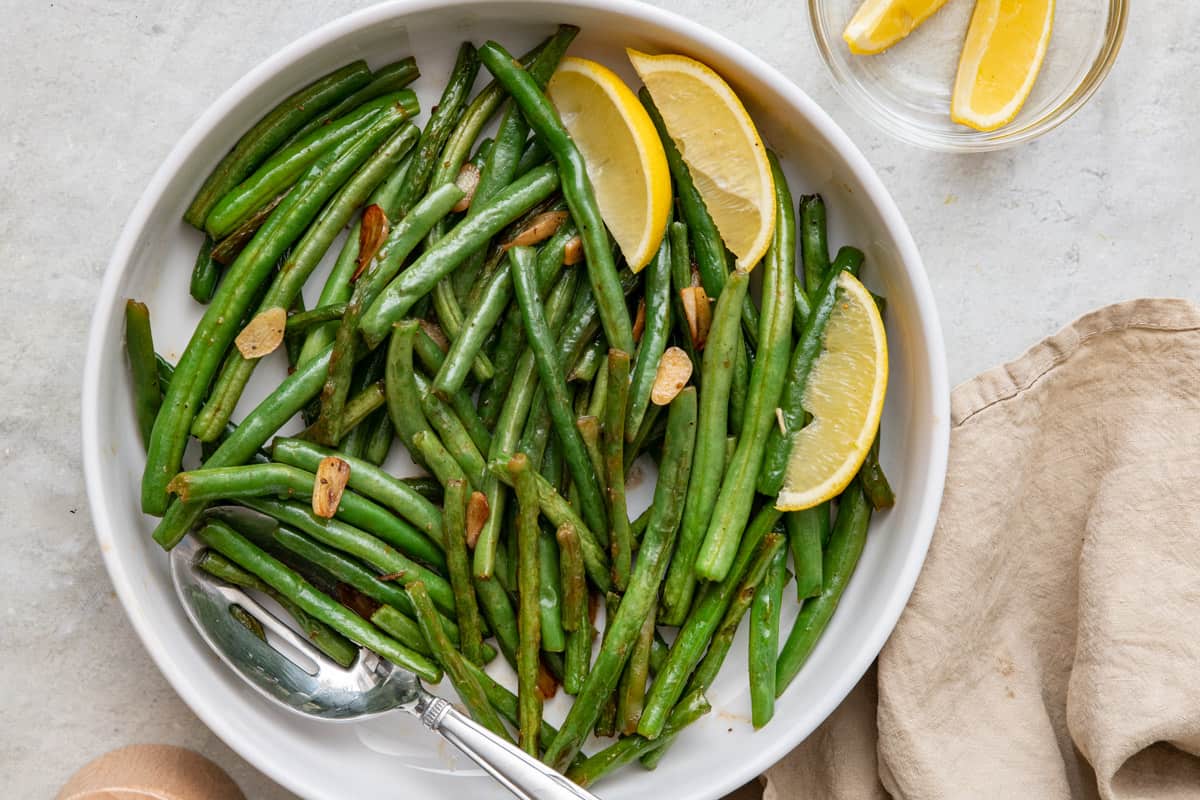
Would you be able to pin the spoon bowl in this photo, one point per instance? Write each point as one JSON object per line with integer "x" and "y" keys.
{"x": 284, "y": 667}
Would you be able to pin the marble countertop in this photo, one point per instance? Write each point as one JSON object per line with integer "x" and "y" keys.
{"x": 95, "y": 92}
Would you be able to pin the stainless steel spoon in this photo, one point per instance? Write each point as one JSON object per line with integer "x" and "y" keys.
{"x": 328, "y": 691}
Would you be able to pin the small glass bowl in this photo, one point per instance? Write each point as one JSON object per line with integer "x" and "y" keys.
{"x": 906, "y": 90}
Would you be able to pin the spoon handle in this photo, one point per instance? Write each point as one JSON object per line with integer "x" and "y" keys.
{"x": 524, "y": 776}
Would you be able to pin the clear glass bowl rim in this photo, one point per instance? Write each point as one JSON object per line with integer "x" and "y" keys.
{"x": 860, "y": 98}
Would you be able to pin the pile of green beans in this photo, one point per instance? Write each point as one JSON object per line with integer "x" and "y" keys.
{"x": 514, "y": 378}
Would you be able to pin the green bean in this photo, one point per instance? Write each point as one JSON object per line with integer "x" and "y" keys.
{"x": 385, "y": 80}
{"x": 450, "y": 316}
{"x": 354, "y": 542}
{"x": 281, "y": 170}
{"x": 143, "y": 366}
{"x": 638, "y": 444}
{"x": 222, "y": 318}
{"x": 280, "y": 480}
{"x": 709, "y": 465}
{"x": 841, "y": 556}
{"x": 453, "y": 434}
{"x": 379, "y": 439}
{"x": 848, "y": 258}
{"x": 206, "y": 273}
{"x": 535, "y": 154}
{"x": 606, "y": 722}
{"x": 589, "y": 362}
{"x": 764, "y": 639}
{"x": 269, "y": 132}
{"x": 301, "y": 322}
{"x": 814, "y": 244}
{"x": 529, "y": 617}
{"x": 241, "y": 445}
{"x": 291, "y": 344}
{"x": 462, "y": 403}
{"x": 541, "y": 343}
{"x": 743, "y": 596}
{"x": 441, "y": 123}
{"x": 554, "y": 638}
{"x": 575, "y": 618}
{"x": 340, "y": 284}
{"x": 748, "y": 589}
{"x": 589, "y": 431}
{"x": 500, "y": 167}
{"x": 505, "y": 702}
{"x": 807, "y": 530}
{"x": 552, "y": 464}
{"x": 654, "y": 337}
{"x": 595, "y": 408}
{"x": 698, "y": 629}
{"x": 402, "y": 628}
{"x": 367, "y": 381}
{"x": 559, "y": 512}
{"x": 791, "y": 401}
{"x": 711, "y": 261}
{"x": 400, "y": 242}
{"x": 628, "y": 748}
{"x": 620, "y": 539}
{"x": 289, "y": 583}
{"x": 508, "y": 426}
{"x": 803, "y": 306}
{"x": 631, "y": 690}
{"x": 465, "y": 681}
{"x": 637, "y": 528}
{"x": 474, "y": 117}
{"x": 501, "y": 618}
{"x": 369, "y": 481}
{"x": 648, "y": 573}
{"x": 681, "y": 278}
{"x": 536, "y": 436}
{"x": 403, "y": 397}
{"x": 493, "y": 299}
{"x": 583, "y": 323}
{"x": 577, "y": 189}
{"x": 734, "y": 502}
{"x": 425, "y": 486}
{"x": 345, "y": 569}
{"x": 874, "y": 482}
{"x": 450, "y": 251}
{"x": 465, "y": 604}
{"x": 358, "y": 408}
{"x": 236, "y": 240}
{"x": 328, "y": 641}
{"x": 436, "y": 457}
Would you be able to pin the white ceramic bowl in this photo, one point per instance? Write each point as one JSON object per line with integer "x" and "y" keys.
{"x": 389, "y": 757}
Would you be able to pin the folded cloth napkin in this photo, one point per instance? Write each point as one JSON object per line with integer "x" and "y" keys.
{"x": 1051, "y": 648}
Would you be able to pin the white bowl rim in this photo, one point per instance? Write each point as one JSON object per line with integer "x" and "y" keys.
{"x": 775, "y": 747}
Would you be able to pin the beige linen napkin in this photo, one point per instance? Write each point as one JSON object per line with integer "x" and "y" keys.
{"x": 1051, "y": 648}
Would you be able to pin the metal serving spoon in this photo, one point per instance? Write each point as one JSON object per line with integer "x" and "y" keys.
{"x": 370, "y": 686}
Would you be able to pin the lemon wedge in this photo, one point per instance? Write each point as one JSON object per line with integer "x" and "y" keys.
{"x": 624, "y": 157}
{"x": 879, "y": 24}
{"x": 721, "y": 147}
{"x": 1005, "y": 46}
{"x": 844, "y": 394}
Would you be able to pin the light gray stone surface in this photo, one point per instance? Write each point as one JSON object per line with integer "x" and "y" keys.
{"x": 94, "y": 94}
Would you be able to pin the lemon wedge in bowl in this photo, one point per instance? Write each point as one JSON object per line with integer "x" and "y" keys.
{"x": 625, "y": 159}
{"x": 1003, "y": 53}
{"x": 844, "y": 394}
{"x": 879, "y": 24}
{"x": 721, "y": 147}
